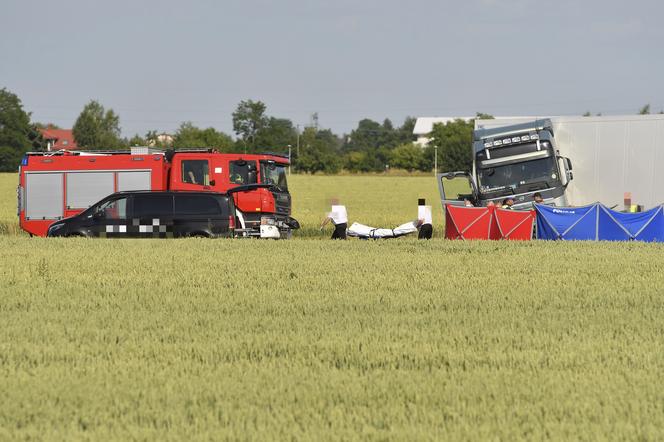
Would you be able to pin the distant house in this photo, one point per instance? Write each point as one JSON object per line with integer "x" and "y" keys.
{"x": 424, "y": 126}
{"x": 162, "y": 139}
{"x": 57, "y": 139}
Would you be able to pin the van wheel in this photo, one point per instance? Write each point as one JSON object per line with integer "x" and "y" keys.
{"x": 199, "y": 235}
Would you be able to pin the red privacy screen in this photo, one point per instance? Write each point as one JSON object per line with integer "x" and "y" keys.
{"x": 488, "y": 223}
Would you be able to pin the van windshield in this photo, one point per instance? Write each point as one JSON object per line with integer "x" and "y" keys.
{"x": 275, "y": 174}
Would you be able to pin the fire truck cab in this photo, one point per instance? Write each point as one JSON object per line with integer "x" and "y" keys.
{"x": 56, "y": 185}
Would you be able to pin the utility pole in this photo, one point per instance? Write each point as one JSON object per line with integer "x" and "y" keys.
{"x": 435, "y": 160}
{"x": 298, "y": 141}
{"x": 289, "y": 160}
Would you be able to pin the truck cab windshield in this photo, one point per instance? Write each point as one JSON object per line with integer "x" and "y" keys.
{"x": 542, "y": 172}
{"x": 275, "y": 174}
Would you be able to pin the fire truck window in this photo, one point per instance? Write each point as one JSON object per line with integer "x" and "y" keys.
{"x": 196, "y": 172}
{"x": 240, "y": 171}
{"x": 196, "y": 205}
{"x": 153, "y": 206}
{"x": 116, "y": 209}
{"x": 274, "y": 174}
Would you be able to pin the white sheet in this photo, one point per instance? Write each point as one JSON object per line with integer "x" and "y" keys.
{"x": 362, "y": 231}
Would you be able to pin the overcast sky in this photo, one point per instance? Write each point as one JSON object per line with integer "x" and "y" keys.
{"x": 158, "y": 63}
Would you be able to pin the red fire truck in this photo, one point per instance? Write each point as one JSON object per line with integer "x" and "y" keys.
{"x": 55, "y": 185}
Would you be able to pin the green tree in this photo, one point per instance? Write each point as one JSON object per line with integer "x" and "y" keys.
{"x": 137, "y": 140}
{"x": 276, "y": 135}
{"x": 365, "y": 137}
{"x": 97, "y": 128}
{"x": 377, "y": 142}
{"x": 189, "y": 135}
{"x": 454, "y": 142}
{"x": 36, "y": 138}
{"x": 152, "y": 138}
{"x": 645, "y": 110}
{"x": 15, "y": 130}
{"x": 356, "y": 162}
{"x": 483, "y": 116}
{"x": 248, "y": 120}
{"x": 332, "y": 141}
{"x": 40, "y": 125}
{"x": 317, "y": 154}
{"x": 407, "y": 156}
{"x": 405, "y": 131}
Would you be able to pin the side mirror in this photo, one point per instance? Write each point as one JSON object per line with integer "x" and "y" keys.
{"x": 212, "y": 182}
{"x": 99, "y": 214}
{"x": 565, "y": 170}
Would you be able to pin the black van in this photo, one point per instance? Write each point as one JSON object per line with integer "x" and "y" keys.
{"x": 147, "y": 214}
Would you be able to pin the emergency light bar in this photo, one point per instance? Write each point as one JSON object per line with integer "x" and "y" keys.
{"x": 512, "y": 140}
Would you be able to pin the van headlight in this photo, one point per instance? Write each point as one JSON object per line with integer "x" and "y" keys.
{"x": 54, "y": 228}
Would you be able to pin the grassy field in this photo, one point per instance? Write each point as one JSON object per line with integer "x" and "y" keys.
{"x": 8, "y": 218}
{"x": 239, "y": 339}
{"x": 372, "y": 200}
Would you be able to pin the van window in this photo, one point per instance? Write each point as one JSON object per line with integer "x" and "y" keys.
{"x": 116, "y": 209}
{"x": 243, "y": 172}
{"x": 197, "y": 205}
{"x": 153, "y": 206}
{"x": 196, "y": 172}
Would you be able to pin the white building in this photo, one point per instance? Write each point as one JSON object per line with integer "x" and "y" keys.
{"x": 424, "y": 126}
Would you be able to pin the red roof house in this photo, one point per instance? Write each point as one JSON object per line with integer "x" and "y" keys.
{"x": 57, "y": 139}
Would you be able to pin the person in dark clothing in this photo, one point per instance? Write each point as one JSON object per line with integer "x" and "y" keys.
{"x": 425, "y": 232}
{"x": 339, "y": 231}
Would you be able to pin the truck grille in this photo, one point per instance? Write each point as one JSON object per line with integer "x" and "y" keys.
{"x": 282, "y": 203}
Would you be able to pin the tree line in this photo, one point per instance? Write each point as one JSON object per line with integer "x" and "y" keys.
{"x": 370, "y": 147}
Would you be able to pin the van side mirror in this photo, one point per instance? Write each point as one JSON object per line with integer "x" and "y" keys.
{"x": 212, "y": 182}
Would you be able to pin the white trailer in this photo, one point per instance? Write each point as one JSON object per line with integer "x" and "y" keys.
{"x": 610, "y": 155}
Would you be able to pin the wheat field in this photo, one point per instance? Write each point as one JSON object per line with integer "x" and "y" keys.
{"x": 198, "y": 339}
